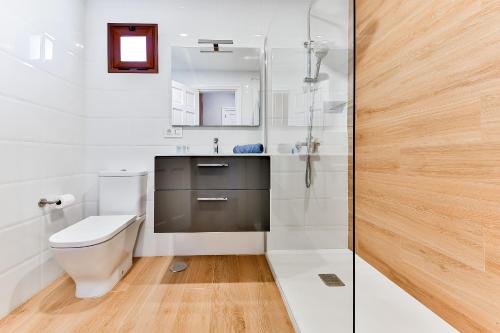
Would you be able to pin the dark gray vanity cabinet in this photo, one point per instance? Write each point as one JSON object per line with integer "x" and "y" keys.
{"x": 212, "y": 193}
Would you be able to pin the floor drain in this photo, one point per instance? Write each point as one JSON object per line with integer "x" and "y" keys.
{"x": 331, "y": 280}
{"x": 178, "y": 266}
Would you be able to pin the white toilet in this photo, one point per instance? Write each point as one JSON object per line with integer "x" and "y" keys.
{"x": 97, "y": 251}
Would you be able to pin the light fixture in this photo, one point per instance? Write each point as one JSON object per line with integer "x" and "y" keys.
{"x": 215, "y": 43}
{"x": 183, "y": 35}
{"x": 258, "y": 35}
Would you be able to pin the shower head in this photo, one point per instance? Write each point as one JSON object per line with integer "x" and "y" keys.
{"x": 319, "y": 53}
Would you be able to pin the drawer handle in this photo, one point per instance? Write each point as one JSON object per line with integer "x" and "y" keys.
{"x": 213, "y": 165}
{"x": 213, "y": 199}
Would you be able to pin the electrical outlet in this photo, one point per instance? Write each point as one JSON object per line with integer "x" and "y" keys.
{"x": 172, "y": 132}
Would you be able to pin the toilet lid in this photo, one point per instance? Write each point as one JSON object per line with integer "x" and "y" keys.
{"x": 91, "y": 231}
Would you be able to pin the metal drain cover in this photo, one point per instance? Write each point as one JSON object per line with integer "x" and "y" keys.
{"x": 178, "y": 266}
{"x": 331, "y": 280}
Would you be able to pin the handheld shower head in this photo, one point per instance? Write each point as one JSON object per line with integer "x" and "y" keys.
{"x": 319, "y": 53}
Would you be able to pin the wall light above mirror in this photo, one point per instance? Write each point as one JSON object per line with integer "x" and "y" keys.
{"x": 216, "y": 88}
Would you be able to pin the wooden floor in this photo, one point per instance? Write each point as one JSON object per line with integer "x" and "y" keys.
{"x": 215, "y": 294}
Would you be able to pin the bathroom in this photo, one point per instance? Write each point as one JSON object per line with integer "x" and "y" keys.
{"x": 249, "y": 166}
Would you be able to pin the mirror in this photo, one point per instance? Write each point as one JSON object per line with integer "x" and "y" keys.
{"x": 212, "y": 88}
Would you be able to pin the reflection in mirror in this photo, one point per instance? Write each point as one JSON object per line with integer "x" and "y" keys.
{"x": 216, "y": 88}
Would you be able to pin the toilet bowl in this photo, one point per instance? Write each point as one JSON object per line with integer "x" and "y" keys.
{"x": 96, "y": 252}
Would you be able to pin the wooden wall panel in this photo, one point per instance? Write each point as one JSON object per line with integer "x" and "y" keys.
{"x": 427, "y": 152}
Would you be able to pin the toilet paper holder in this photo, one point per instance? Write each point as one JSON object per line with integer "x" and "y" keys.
{"x": 60, "y": 201}
{"x": 43, "y": 202}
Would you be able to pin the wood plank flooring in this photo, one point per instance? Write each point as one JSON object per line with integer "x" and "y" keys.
{"x": 215, "y": 294}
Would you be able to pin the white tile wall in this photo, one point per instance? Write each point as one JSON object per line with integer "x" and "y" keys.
{"x": 314, "y": 218}
{"x": 41, "y": 138}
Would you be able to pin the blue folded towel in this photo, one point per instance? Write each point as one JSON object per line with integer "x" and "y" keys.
{"x": 249, "y": 149}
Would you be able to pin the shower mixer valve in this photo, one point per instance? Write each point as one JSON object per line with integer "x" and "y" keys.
{"x": 314, "y": 145}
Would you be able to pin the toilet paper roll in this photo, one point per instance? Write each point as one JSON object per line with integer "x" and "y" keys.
{"x": 64, "y": 200}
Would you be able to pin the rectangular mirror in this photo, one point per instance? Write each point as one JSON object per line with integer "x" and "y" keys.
{"x": 216, "y": 88}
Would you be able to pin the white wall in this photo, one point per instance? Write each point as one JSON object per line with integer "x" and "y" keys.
{"x": 41, "y": 137}
{"x": 127, "y": 113}
{"x": 213, "y": 102}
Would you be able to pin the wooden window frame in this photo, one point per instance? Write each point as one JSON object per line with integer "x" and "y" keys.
{"x": 115, "y": 31}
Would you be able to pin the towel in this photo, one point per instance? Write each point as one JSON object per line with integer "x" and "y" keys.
{"x": 249, "y": 149}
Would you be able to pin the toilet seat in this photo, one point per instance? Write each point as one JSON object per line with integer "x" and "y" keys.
{"x": 91, "y": 231}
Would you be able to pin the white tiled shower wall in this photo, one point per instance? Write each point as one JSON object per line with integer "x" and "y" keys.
{"x": 42, "y": 137}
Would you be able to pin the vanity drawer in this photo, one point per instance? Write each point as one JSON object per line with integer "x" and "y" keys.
{"x": 218, "y": 172}
{"x": 211, "y": 210}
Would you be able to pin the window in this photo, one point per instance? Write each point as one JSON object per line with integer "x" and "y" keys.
{"x": 132, "y": 48}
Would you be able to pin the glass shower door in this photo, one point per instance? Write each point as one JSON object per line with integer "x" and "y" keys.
{"x": 308, "y": 245}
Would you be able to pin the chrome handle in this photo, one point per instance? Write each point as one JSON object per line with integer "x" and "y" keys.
{"x": 213, "y": 199}
{"x": 213, "y": 165}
